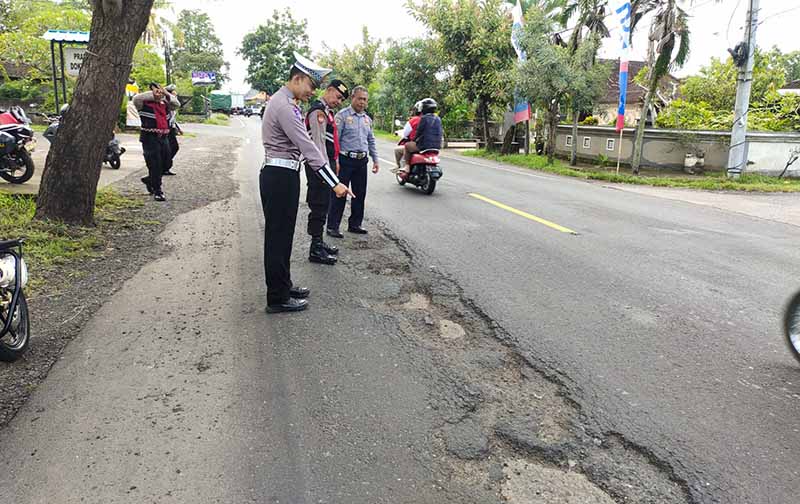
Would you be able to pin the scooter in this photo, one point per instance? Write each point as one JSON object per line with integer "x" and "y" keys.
{"x": 16, "y": 144}
{"x": 15, "y": 328}
{"x": 424, "y": 173}
{"x": 114, "y": 151}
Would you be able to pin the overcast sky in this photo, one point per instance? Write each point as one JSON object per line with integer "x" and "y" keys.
{"x": 338, "y": 23}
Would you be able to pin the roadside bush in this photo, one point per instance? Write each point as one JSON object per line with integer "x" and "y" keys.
{"x": 21, "y": 90}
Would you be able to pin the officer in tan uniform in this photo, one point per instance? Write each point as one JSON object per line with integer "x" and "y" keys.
{"x": 286, "y": 138}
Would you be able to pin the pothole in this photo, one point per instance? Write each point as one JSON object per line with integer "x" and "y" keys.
{"x": 531, "y": 483}
{"x": 450, "y": 330}
{"x": 418, "y": 302}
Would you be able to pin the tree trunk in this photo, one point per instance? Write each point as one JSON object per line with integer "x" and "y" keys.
{"x": 638, "y": 141}
{"x": 508, "y": 141}
{"x": 484, "y": 112}
{"x": 72, "y": 169}
{"x": 573, "y": 156}
{"x": 552, "y": 121}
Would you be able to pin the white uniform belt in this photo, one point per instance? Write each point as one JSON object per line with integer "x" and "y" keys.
{"x": 291, "y": 164}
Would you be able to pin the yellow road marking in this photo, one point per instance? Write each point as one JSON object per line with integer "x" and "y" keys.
{"x": 528, "y": 216}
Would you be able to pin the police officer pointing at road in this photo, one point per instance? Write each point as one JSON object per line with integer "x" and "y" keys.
{"x": 285, "y": 139}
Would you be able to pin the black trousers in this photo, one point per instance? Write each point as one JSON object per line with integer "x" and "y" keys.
{"x": 352, "y": 172}
{"x": 156, "y": 156}
{"x": 280, "y": 199}
{"x": 318, "y": 195}
{"x": 174, "y": 147}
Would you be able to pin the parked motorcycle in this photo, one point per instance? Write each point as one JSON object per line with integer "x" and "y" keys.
{"x": 15, "y": 328}
{"x": 791, "y": 325}
{"x": 424, "y": 173}
{"x": 16, "y": 144}
{"x": 114, "y": 151}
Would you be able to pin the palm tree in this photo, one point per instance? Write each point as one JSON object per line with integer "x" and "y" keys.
{"x": 155, "y": 33}
{"x": 669, "y": 31}
{"x": 591, "y": 16}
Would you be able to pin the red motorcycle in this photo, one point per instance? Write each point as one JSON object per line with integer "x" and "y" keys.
{"x": 424, "y": 172}
{"x": 16, "y": 145}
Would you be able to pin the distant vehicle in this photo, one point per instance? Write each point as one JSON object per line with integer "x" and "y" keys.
{"x": 252, "y": 110}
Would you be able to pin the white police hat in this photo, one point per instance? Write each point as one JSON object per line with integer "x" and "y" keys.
{"x": 313, "y": 70}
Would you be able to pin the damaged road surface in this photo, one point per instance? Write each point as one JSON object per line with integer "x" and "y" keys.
{"x": 413, "y": 377}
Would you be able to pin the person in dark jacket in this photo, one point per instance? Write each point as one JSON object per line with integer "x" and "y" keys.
{"x": 429, "y": 131}
{"x": 321, "y": 124}
{"x": 174, "y": 131}
{"x": 154, "y": 107}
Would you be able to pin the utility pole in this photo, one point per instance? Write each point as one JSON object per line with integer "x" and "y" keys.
{"x": 167, "y": 58}
{"x": 737, "y": 155}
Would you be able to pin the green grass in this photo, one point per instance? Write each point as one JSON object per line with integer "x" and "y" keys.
{"x": 215, "y": 119}
{"x": 39, "y": 128}
{"x": 386, "y": 135}
{"x": 50, "y": 244}
{"x": 709, "y": 181}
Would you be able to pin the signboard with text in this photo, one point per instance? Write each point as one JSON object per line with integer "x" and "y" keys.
{"x": 203, "y": 78}
{"x": 73, "y": 60}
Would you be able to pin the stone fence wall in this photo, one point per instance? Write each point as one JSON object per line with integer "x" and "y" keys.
{"x": 768, "y": 153}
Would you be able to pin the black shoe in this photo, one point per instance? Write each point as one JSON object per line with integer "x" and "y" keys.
{"x": 335, "y": 233}
{"x": 317, "y": 253}
{"x": 168, "y": 173}
{"x": 146, "y": 182}
{"x": 357, "y": 230}
{"x": 292, "y": 305}
{"x": 159, "y": 196}
{"x": 330, "y": 249}
{"x": 299, "y": 292}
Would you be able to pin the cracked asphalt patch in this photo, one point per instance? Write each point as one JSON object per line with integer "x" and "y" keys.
{"x": 73, "y": 292}
{"x": 506, "y": 425}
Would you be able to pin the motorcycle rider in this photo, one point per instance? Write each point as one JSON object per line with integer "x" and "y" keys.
{"x": 409, "y": 130}
{"x": 429, "y": 132}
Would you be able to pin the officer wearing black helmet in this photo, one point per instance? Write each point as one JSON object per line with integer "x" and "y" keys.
{"x": 429, "y": 130}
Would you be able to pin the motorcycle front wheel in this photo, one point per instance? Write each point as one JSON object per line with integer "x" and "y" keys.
{"x": 22, "y": 171}
{"x": 115, "y": 163}
{"x": 791, "y": 325}
{"x": 14, "y": 344}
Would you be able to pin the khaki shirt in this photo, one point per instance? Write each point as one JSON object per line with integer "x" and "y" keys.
{"x": 284, "y": 133}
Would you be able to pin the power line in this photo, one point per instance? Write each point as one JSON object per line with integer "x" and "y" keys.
{"x": 779, "y": 13}
{"x": 728, "y": 31}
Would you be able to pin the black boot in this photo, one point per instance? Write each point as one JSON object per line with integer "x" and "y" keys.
{"x": 330, "y": 249}
{"x": 318, "y": 254}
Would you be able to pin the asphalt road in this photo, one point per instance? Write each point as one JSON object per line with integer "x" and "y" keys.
{"x": 659, "y": 317}
{"x": 662, "y": 316}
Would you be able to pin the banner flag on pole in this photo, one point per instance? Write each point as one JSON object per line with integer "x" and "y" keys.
{"x": 522, "y": 110}
{"x": 622, "y": 10}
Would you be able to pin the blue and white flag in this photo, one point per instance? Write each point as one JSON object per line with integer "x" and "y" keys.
{"x": 622, "y": 15}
